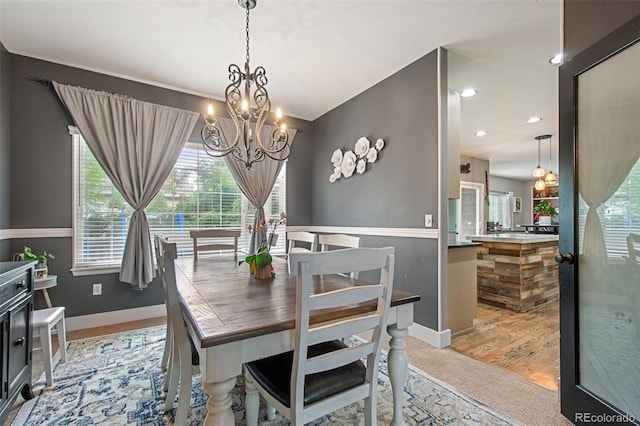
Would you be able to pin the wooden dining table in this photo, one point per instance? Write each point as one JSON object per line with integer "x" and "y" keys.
{"x": 234, "y": 318}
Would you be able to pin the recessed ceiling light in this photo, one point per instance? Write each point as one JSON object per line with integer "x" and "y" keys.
{"x": 534, "y": 119}
{"x": 556, "y": 60}
{"x": 467, "y": 93}
{"x": 481, "y": 133}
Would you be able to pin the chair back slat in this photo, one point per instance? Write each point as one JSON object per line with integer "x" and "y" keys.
{"x": 338, "y": 358}
{"x": 341, "y": 241}
{"x": 337, "y": 240}
{"x": 304, "y": 237}
{"x": 344, "y": 297}
{"x": 344, "y": 260}
{"x": 343, "y": 328}
{"x": 226, "y": 234}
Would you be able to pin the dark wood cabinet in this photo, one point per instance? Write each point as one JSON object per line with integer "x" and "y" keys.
{"x": 16, "y": 305}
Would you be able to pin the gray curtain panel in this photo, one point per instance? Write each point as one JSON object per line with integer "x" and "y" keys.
{"x": 256, "y": 184}
{"x": 137, "y": 144}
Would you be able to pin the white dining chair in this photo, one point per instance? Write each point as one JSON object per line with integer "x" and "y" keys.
{"x": 322, "y": 374}
{"x": 214, "y": 240}
{"x": 309, "y": 238}
{"x": 327, "y": 241}
{"x": 168, "y": 341}
{"x": 181, "y": 358}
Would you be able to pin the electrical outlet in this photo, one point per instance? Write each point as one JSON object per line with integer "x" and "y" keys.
{"x": 97, "y": 289}
{"x": 428, "y": 221}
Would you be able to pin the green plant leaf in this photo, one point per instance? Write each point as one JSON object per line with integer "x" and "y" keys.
{"x": 263, "y": 259}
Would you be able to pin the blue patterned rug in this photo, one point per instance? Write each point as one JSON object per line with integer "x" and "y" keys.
{"x": 117, "y": 380}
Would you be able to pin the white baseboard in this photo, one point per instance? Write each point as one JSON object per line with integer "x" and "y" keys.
{"x": 439, "y": 339}
{"x": 114, "y": 317}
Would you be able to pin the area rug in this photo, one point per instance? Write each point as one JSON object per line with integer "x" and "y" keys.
{"x": 116, "y": 380}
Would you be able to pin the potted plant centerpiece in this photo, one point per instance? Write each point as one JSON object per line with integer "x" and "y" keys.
{"x": 543, "y": 212}
{"x": 41, "y": 269}
{"x": 260, "y": 262}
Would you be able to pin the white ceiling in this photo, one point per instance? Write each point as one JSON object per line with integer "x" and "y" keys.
{"x": 319, "y": 54}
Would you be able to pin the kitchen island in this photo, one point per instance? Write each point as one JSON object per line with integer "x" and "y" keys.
{"x": 517, "y": 271}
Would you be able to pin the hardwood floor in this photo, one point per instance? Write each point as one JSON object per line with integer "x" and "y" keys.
{"x": 527, "y": 344}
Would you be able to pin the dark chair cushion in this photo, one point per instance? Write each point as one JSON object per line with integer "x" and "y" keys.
{"x": 274, "y": 375}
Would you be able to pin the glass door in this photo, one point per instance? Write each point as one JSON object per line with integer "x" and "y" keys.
{"x": 599, "y": 272}
{"x": 470, "y": 217}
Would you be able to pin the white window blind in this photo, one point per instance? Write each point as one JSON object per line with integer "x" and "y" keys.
{"x": 200, "y": 193}
{"x": 619, "y": 216}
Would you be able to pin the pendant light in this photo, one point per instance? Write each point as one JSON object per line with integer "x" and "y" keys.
{"x": 550, "y": 178}
{"x": 538, "y": 172}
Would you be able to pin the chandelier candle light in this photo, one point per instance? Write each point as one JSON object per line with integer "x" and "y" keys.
{"x": 249, "y": 107}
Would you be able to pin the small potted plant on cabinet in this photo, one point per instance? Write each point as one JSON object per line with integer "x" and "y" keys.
{"x": 543, "y": 212}
{"x": 41, "y": 270}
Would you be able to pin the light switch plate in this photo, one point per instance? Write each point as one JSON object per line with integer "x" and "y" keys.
{"x": 428, "y": 221}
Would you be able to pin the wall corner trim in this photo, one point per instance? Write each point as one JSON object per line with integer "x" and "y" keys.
{"x": 439, "y": 339}
{"x": 114, "y": 317}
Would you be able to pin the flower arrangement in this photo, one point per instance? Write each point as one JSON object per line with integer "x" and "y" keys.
{"x": 260, "y": 261}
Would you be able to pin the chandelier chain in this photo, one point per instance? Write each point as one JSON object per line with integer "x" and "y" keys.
{"x": 247, "y": 30}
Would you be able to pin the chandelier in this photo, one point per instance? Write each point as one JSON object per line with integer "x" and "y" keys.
{"x": 249, "y": 107}
{"x": 538, "y": 172}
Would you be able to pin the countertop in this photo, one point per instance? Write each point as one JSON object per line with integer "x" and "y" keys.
{"x": 516, "y": 237}
{"x": 462, "y": 244}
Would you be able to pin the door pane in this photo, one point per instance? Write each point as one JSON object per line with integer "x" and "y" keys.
{"x": 470, "y": 217}
{"x": 608, "y": 139}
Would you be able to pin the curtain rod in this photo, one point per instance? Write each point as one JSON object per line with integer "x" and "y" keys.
{"x": 49, "y": 84}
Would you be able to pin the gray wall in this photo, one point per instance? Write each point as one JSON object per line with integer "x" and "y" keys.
{"x": 41, "y": 172}
{"x": 5, "y": 140}
{"x": 402, "y": 186}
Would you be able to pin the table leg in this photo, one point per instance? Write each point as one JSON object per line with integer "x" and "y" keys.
{"x": 398, "y": 369}
{"x": 219, "y": 411}
{"x": 45, "y": 293}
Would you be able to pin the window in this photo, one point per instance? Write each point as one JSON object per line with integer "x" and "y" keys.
{"x": 619, "y": 216}
{"x": 199, "y": 193}
{"x": 501, "y": 208}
